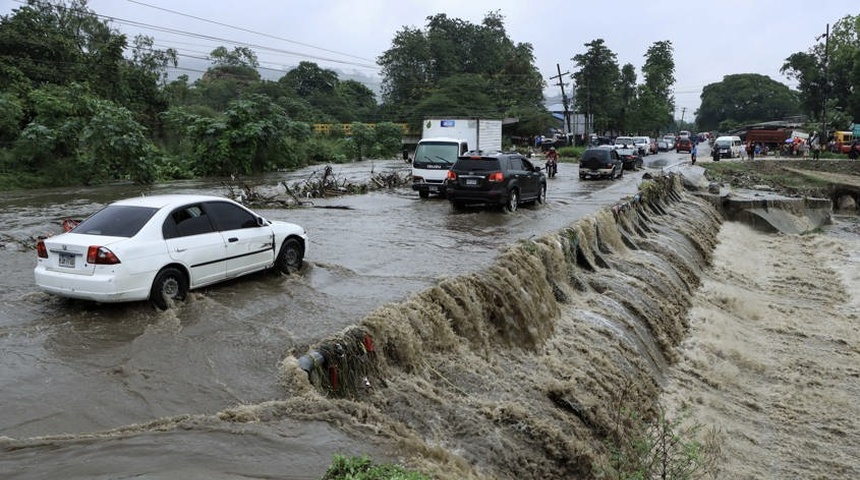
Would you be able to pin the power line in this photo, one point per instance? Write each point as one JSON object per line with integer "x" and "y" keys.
{"x": 249, "y": 31}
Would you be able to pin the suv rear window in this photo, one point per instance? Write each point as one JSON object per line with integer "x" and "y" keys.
{"x": 116, "y": 221}
{"x": 477, "y": 164}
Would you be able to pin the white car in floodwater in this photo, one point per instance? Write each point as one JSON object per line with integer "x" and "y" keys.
{"x": 160, "y": 247}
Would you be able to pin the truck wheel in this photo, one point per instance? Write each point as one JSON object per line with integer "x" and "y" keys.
{"x": 423, "y": 193}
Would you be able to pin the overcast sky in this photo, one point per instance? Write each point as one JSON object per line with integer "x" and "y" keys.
{"x": 717, "y": 38}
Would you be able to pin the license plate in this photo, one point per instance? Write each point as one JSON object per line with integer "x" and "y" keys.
{"x": 433, "y": 188}
{"x": 67, "y": 260}
{"x": 471, "y": 181}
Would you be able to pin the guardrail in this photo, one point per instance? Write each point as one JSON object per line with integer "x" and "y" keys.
{"x": 346, "y": 128}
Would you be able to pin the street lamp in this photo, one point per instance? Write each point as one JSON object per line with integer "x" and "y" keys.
{"x": 826, "y": 36}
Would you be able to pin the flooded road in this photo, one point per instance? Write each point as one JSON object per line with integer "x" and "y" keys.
{"x": 504, "y": 342}
{"x": 72, "y": 367}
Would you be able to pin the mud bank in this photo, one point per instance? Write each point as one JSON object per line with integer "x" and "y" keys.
{"x": 516, "y": 371}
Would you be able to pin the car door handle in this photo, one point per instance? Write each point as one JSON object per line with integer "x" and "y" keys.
{"x": 180, "y": 250}
{"x": 233, "y": 239}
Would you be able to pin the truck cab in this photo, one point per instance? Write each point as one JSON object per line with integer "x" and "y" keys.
{"x": 431, "y": 162}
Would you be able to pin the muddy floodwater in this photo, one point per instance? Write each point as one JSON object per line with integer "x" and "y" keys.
{"x": 499, "y": 341}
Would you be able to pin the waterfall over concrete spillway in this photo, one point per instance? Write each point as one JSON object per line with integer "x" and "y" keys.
{"x": 511, "y": 372}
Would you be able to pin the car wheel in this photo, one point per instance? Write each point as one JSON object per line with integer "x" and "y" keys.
{"x": 458, "y": 205}
{"x": 290, "y": 257}
{"x": 542, "y": 195}
{"x": 169, "y": 286}
{"x": 423, "y": 194}
{"x": 513, "y": 200}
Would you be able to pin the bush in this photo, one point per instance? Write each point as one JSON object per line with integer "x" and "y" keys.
{"x": 361, "y": 468}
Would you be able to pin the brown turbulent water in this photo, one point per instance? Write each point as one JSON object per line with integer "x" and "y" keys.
{"x": 511, "y": 371}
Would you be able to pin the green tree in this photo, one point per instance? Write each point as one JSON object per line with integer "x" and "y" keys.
{"x": 77, "y": 137}
{"x": 361, "y": 139}
{"x": 656, "y": 102}
{"x": 454, "y": 54}
{"x": 458, "y": 95}
{"x": 357, "y": 100}
{"x": 743, "y": 99}
{"x": 597, "y": 79}
{"x": 842, "y": 76}
{"x": 628, "y": 99}
{"x": 253, "y": 135}
{"x": 388, "y": 138}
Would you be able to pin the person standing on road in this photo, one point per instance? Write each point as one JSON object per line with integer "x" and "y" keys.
{"x": 693, "y": 152}
{"x": 751, "y": 150}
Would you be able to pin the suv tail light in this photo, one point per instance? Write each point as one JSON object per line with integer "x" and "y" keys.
{"x": 496, "y": 177}
{"x": 451, "y": 175}
{"x": 101, "y": 256}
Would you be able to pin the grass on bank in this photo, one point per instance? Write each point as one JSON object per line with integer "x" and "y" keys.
{"x": 362, "y": 468}
{"x": 770, "y": 173}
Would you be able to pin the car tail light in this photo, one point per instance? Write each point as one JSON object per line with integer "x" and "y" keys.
{"x": 496, "y": 177}
{"x": 101, "y": 256}
{"x": 451, "y": 175}
{"x": 41, "y": 249}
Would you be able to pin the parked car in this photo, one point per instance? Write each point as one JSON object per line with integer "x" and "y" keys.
{"x": 601, "y": 162}
{"x": 684, "y": 145}
{"x": 159, "y": 247}
{"x": 662, "y": 145}
{"x": 630, "y": 157}
{"x": 498, "y": 179}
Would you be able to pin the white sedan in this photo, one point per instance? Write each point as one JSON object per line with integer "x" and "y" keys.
{"x": 160, "y": 247}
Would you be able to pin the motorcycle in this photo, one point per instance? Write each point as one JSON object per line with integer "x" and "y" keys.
{"x": 551, "y": 168}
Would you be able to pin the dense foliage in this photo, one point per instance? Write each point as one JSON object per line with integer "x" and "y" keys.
{"x": 456, "y": 68}
{"x": 81, "y": 104}
{"x": 745, "y": 99}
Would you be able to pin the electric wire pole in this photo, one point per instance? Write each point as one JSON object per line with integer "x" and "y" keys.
{"x": 564, "y": 101}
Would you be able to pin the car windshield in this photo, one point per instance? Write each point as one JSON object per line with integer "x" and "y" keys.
{"x": 116, "y": 221}
{"x": 722, "y": 143}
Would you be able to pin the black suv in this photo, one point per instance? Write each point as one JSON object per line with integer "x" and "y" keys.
{"x": 602, "y": 161}
{"x": 504, "y": 179}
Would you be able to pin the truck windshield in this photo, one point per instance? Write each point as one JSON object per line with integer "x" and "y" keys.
{"x": 436, "y": 153}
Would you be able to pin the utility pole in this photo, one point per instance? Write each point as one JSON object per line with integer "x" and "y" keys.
{"x": 564, "y": 100}
{"x": 683, "y": 111}
{"x": 823, "y": 137}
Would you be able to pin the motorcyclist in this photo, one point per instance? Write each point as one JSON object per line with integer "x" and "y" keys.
{"x": 551, "y": 162}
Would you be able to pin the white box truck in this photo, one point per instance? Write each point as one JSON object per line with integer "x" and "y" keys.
{"x": 445, "y": 139}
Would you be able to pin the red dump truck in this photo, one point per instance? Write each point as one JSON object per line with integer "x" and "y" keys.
{"x": 772, "y": 137}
